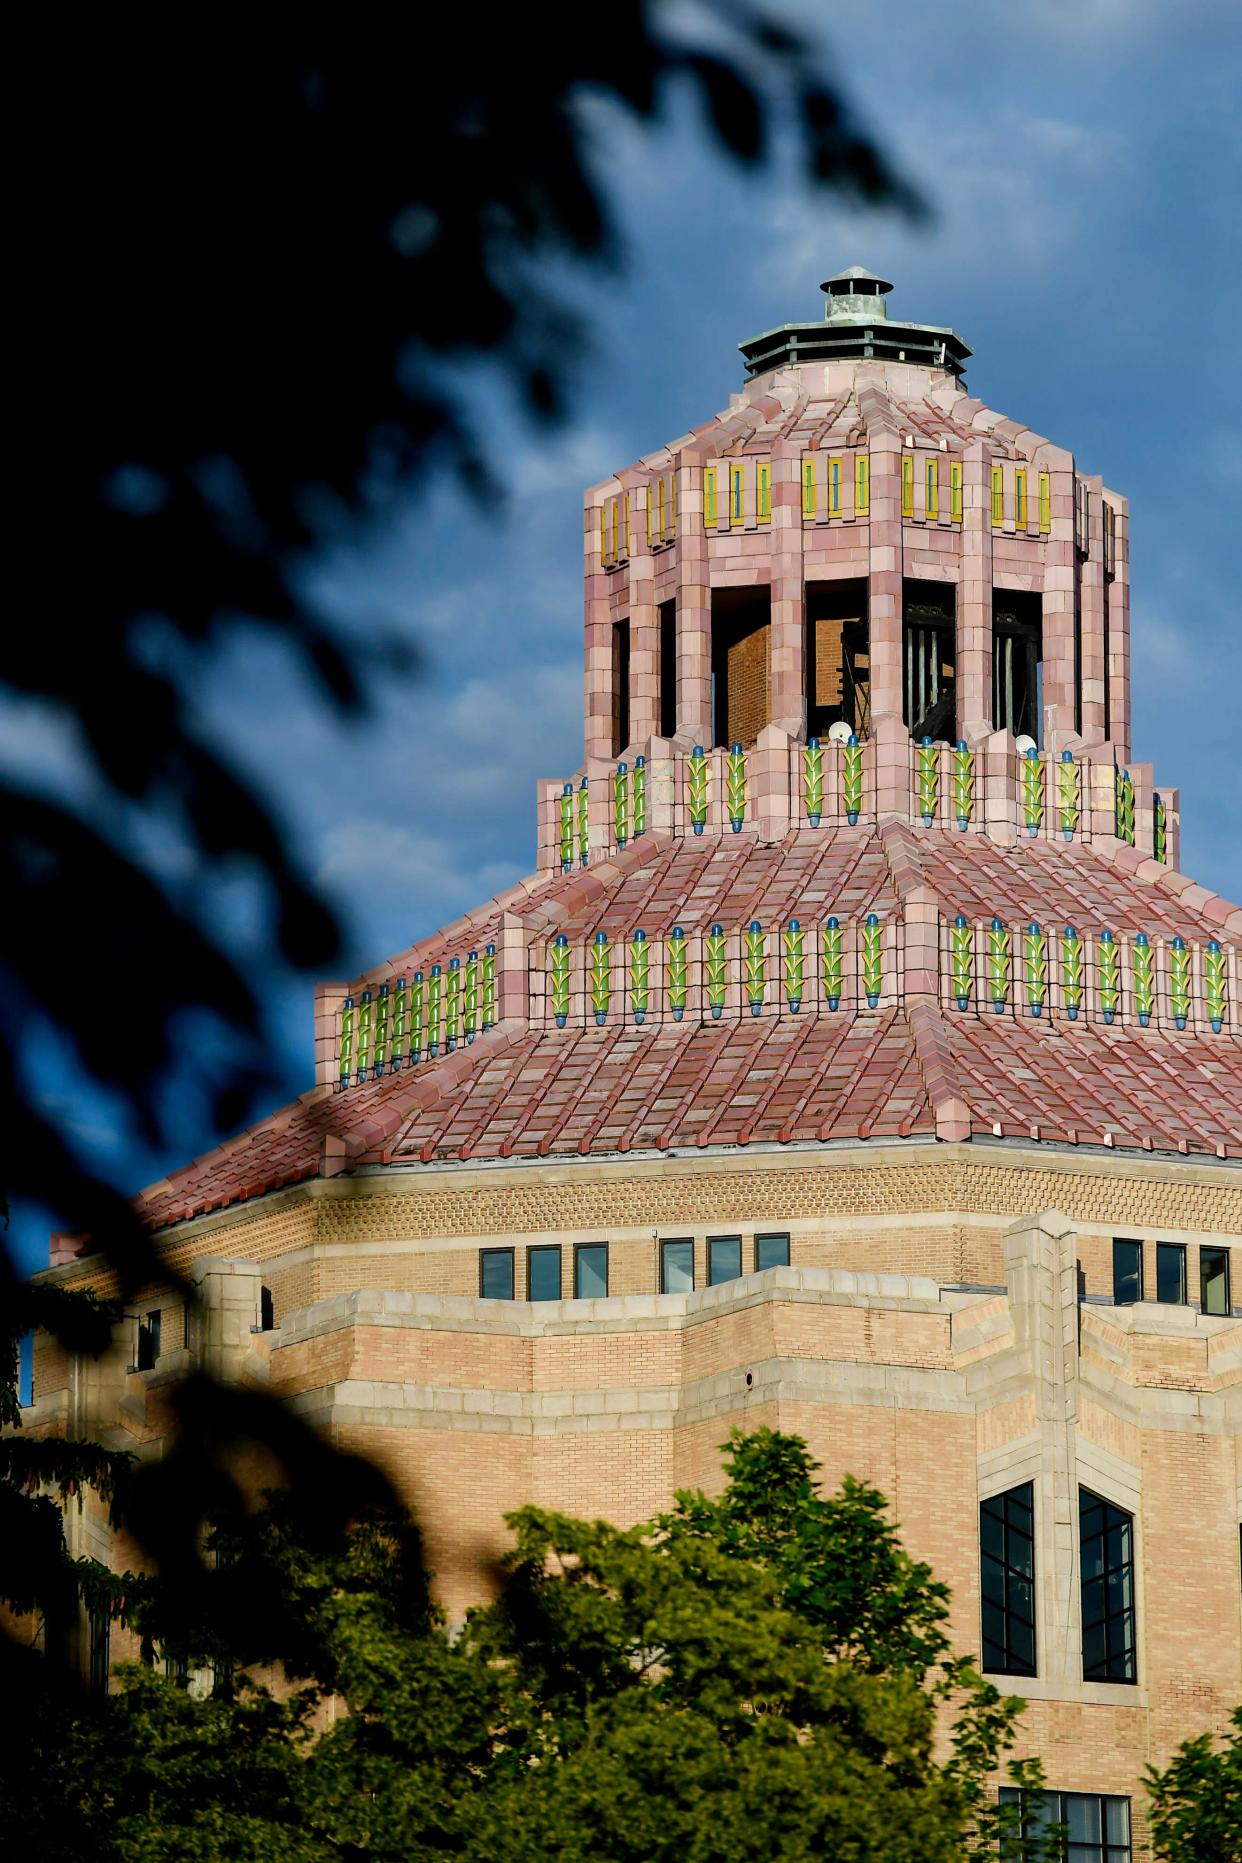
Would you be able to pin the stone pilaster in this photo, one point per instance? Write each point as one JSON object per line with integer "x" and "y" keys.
{"x": 974, "y": 598}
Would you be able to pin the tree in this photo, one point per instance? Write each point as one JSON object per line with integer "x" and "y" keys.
{"x": 665, "y": 1692}
{"x": 1196, "y": 1801}
{"x": 247, "y": 262}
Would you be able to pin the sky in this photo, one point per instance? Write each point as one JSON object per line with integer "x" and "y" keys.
{"x": 1082, "y": 162}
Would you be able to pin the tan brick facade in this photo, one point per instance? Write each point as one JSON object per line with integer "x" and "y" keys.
{"x": 928, "y": 1336}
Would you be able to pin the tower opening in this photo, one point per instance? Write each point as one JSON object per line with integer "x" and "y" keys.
{"x": 838, "y": 657}
{"x": 741, "y": 683}
{"x": 620, "y": 686}
{"x": 668, "y": 668}
{"x": 929, "y": 686}
{"x": 1017, "y": 662}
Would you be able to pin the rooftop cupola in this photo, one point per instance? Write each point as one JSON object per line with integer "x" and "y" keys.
{"x": 856, "y": 328}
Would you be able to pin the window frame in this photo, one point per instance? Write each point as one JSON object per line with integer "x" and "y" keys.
{"x": 546, "y": 1248}
{"x": 1128, "y": 1242}
{"x": 1008, "y": 1610}
{"x": 679, "y": 1242}
{"x": 1107, "y": 1851}
{"x": 1220, "y": 1252}
{"x": 712, "y": 1241}
{"x": 1163, "y": 1251}
{"x": 907, "y": 485}
{"x": 770, "y": 1235}
{"x": 484, "y": 1254}
{"x": 1128, "y": 1650}
{"x": 579, "y": 1249}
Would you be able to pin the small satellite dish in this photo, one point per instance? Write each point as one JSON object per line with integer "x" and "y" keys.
{"x": 1026, "y": 744}
{"x": 839, "y": 733}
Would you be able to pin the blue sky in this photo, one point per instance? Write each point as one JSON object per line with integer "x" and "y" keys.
{"x": 1083, "y": 166}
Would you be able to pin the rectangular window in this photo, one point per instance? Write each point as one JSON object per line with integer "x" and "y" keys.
{"x": 862, "y": 484}
{"x": 627, "y": 543}
{"x": 1097, "y": 1826}
{"x": 931, "y": 488}
{"x": 771, "y": 1252}
{"x": 1045, "y": 502}
{"x": 668, "y": 668}
{"x": 1106, "y": 1551}
{"x": 101, "y": 1649}
{"x": 1214, "y": 1280}
{"x": 834, "y": 488}
{"x": 955, "y": 491}
{"x": 1127, "y": 1271}
{"x": 496, "y": 1273}
{"x": 267, "y": 1310}
{"x": 1019, "y": 499}
{"x": 737, "y": 494}
{"x": 763, "y": 494}
{"x": 998, "y": 495}
{"x": 653, "y": 520}
{"x": 724, "y": 1259}
{"x": 543, "y": 1272}
{"x": 148, "y": 1341}
{"x": 808, "y": 488}
{"x": 620, "y": 686}
{"x": 677, "y": 1265}
{"x": 1171, "y": 1273}
{"x": 1007, "y": 1580}
{"x": 1110, "y": 541}
{"x": 907, "y": 485}
{"x": 709, "y": 496}
{"x": 591, "y": 1271}
{"x": 603, "y": 533}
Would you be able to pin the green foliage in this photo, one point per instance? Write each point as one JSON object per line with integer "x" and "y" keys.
{"x": 1196, "y": 1802}
{"x": 766, "y": 1668}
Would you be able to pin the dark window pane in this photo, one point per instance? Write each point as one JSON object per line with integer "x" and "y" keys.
{"x": 1006, "y": 1562}
{"x": 591, "y": 1271}
{"x": 677, "y": 1266}
{"x": 1214, "y": 1280}
{"x": 771, "y": 1252}
{"x": 543, "y": 1274}
{"x": 1106, "y": 1542}
{"x": 496, "y": 1273}
{"x": 724, "y": 1259}
{"x": 1127, "y": 1271}
{"x": 1171, "y": 1273}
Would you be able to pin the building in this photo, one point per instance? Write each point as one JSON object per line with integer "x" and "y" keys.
{"x": 858, "y": 1061}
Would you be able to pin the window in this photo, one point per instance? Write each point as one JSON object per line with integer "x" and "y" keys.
{"x": 1214, "y": 1280}
{"x": 737, "y": 494}
{"x": 1097, "y": 1828}
{"x": 1106, "y": 1549}
{"x": 862, "y": 484}
{"x": 177, "y": 1668}
{"x": 724, "y": 1259}
{"x": 1007, "y": 1575}
{"x": 668, "y": 668}
{"x": 998, "y": 495}
{"x": 771, "y": 1252}
{"x": 543, "y": 1272}
{"x": 496, "y": 1273}
{"x": 709, "y": 495}
{"x": 907, "y": 485}
{"x": 677, "y": 1266}
{"x": 101, "y": 1646}
{"x": 1171, "y": 1273}
{"x": 148, "y": 1341}
{"x": 267, "y": 1310}
{"x": 1019, "y": 499}
{"x": 620, "y": 686}
{"x": 808, "y": 488}
{"x": 955, "y": 491}
{"x": 1127, "y": 1271}
{"x": 931, "y": 488}
{"x": 590, "y": 1271}
{"x": 834, "y": 488}
{"x": 1045, "y": 502}
{"x": 763, "y": 494}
